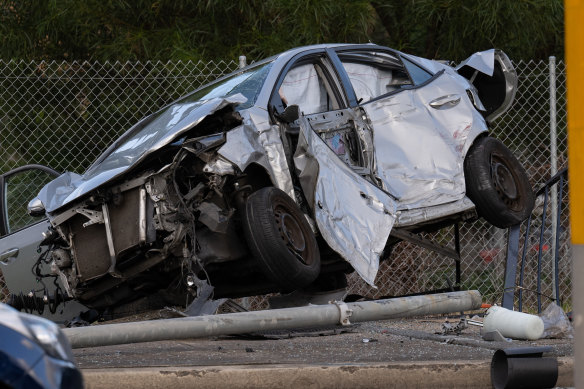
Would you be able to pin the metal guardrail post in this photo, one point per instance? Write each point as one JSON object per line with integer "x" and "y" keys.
{"x": 511, "y": 266}
{"x": 522, "y": 270}
{"x": 513, "y": 248}
{"x": 540, "y": 249}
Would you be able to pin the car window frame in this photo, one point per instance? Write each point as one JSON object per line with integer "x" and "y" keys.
{"x": 4, "y": 230}
{"x": 322, "y": 59}
{"x": 405, "y": 60}
{"x": 361, "y": 48}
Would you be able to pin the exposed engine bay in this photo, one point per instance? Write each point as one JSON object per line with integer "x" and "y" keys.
{"x": 177, "y": 220}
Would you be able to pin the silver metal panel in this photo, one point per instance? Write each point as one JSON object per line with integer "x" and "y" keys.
{"x": 410, "y": 217}
{"x": 483, "y": 61}
{"x": 242, "y": 147}
{"x": 257, "y": 141}
{"x": 420, "y": 149}
{"x": 353, "y": 216}
{"x": 430, "y": 65}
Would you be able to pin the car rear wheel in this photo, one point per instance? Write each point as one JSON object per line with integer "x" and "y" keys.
{"x": 497, "y": 183}
{"x": 281, "y": 239}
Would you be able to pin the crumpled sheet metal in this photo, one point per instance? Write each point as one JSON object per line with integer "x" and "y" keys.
{"x": 420, "y": 155}
{"x": 353, "y": 216}
{"x": 411, "y": 217}
{"x": 177, "y": 118}
{"x": 256, "y": 141}
{"x": 483, "y": 61}
{"x": 219, "y": 166}
{"x": 429, "y": 64}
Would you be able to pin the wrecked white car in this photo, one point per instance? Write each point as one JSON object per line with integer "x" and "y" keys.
{"x": 301, "y": 166}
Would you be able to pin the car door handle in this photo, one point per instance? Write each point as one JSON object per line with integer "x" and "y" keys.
{"x": 372, "y": 202}
{"x": 445, "y": 102}
{"x": 5, "y": 257}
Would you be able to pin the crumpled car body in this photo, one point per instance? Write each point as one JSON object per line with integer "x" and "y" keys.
{"x": 362, "y": 139}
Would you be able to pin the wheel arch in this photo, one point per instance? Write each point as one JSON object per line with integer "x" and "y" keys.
{"x": 257, "y": 176}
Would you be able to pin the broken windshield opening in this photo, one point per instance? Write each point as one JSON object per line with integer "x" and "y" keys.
{"x": 248, "y": 83}
{"x": 134, "y": 143}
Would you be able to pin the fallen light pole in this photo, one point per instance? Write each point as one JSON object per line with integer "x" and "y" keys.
{"x": 274, "y": 319}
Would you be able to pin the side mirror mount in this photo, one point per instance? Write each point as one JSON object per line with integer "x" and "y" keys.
{"x": 36, "y": 207}
{"x": 290, "y": 114}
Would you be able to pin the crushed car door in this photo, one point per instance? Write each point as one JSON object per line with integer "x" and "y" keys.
{"x": 20, "y": 237}
{"x": 334, "y": 163}
{"x": 417, "y": 152}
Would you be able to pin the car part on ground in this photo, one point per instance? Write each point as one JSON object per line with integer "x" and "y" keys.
{"x": 34, "y": 353}
{"x": 233, "y": 184}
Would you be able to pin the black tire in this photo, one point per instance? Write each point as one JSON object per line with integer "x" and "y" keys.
{"x": 281, "y": 239}
{"x": 497, "y": 183}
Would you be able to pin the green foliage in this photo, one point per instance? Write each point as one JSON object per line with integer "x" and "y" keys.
{"x": 213, "y": 29}
{"x": 453, "y": 29}
{"x": 163, "y": 29}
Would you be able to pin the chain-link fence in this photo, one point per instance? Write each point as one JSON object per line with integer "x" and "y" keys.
{"x": 64, "y": 114}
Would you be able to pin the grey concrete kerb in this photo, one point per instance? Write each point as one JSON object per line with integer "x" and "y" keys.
{"x": 451, "y": 374}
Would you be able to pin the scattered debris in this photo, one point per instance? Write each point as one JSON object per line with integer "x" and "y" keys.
{"x": 302, "y": 332}
{"x": 556, "y": 323}
{"x": 207, "y": 307}
{"x": 475, "y": 320}
{"x": 456, "y": 329}
{"x": 494, "y": 336}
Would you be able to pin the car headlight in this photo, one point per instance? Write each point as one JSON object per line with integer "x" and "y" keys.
{"x": 49, "y": 337}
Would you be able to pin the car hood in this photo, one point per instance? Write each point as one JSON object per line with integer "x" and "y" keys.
{"x": 149, "y": 135}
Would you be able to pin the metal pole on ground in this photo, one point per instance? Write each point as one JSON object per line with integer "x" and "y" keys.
{"x": 574, "y": 14}
{"x": 274, "y": 319}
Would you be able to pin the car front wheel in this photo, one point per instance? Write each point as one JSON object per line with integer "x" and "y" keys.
{"x": 281, "y": 239}
{"x": 497, "y": 183}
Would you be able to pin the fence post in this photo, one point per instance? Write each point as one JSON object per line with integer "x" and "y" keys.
{"x": 554, "y": 162}
{"x": 242, "y": 61}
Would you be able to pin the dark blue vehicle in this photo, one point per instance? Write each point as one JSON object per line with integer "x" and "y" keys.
{"x": 34, "y": 353}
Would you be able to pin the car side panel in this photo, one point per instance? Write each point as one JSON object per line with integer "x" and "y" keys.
{"x": 421, "y": 136}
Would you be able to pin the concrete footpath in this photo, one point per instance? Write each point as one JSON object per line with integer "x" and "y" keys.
{"x": 412, "y": 353}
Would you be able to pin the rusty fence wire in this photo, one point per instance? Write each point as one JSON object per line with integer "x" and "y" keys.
{"x": 64, "y": 114}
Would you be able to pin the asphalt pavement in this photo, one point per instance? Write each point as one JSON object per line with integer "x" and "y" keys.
{"x": 411, "y": 353}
